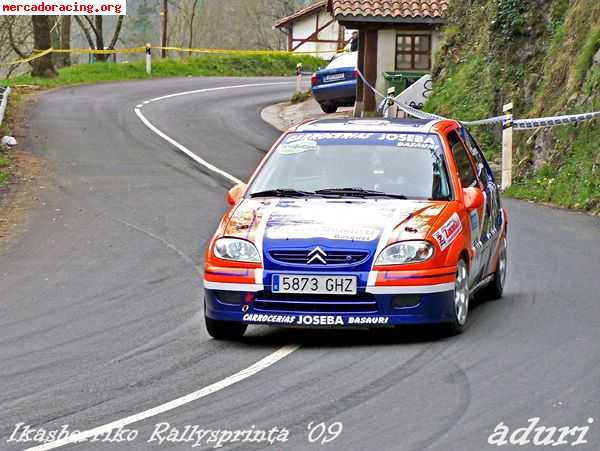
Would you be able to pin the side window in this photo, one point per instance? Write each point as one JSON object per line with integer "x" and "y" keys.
{"x": 463, "y": 163}
{"x": 477, "y": 158}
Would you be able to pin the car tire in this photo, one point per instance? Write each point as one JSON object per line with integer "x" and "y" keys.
{"x": 460, "y": 299}
{"x": 329, "y": 108}
{"x": 225, "y": 330}
{"x": 495, "y": 289}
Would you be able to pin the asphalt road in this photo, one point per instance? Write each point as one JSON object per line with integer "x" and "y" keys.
{"x": 100, "y": 300}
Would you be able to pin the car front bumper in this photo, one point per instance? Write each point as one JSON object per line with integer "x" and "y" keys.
{"x": 363, "y": 310}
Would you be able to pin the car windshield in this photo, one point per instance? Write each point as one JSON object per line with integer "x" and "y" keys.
{"x": 407, "y": 165}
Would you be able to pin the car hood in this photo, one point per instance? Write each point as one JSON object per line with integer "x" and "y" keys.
{"x": 331, "y": 221}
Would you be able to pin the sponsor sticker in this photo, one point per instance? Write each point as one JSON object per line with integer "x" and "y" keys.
{"x": 297, "y": 147}
{"x": 315, "y": 320}
{"x": 408, "y": 140}
{"x": 447, "y": 233}
{"x": 282, "y": 232}
{"x": 474, "y": 220}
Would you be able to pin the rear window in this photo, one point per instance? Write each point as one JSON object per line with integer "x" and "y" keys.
{"x": 346, "y": 60}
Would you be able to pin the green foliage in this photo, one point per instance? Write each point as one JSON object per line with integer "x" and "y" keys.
{"x": 509, "y": 18}
{"x": 584, "y": 61}
{"x": 301, "y": 96}
{"x": 242, "y": 64}
{"x": 574, "y": 180}
{"x": 468, "y": 95}
{"x": 4, "y": 163}
{"x": 542, "y": 60}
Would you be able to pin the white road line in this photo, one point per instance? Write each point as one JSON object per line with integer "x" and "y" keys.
{"x": 217, "y": 386}
{"x": 180, "y": 146}
{"x": 208, "y": 390}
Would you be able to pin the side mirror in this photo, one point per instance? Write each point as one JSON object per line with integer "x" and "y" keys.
{"x": 235, "y": 193}
{"x": 473, "y": 198}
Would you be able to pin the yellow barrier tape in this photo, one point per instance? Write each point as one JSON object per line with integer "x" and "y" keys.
{"x": 252, "y": 52}
{"x": 39, "y": 54}
{"x": 100, "y": 52}
{"x": 30, "y": 58}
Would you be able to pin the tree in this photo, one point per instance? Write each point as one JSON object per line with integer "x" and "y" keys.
{"x": 192, "y": 17}
{"x": 43, "y": 66}
{"x": 61, "y": 39}
{"x": 93, "y": 30}
{"x": 165, "y": 27}
{"x": 65, "y": 40}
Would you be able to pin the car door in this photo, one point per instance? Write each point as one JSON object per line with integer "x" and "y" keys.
{"x": 491, "y": 219}
{"x": 468, "y": 178}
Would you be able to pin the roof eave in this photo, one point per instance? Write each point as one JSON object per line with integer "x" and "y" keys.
{"x": 352, "y": 20}
{"x": 300, "y": 14}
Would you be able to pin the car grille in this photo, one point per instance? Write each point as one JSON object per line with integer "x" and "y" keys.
{"x": 302, "y": 257}
{"x": 314, "y": 303}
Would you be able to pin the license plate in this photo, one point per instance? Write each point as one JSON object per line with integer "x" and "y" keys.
{"x": 335, "y": 77}
{"x": 283, "y": 283}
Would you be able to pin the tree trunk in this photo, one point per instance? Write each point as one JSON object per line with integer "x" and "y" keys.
{"x": 65, "y": 40}
{"x": 193, "y": 16}
{"x": 165, "y": 28}
{"x": 98, "y": 29}
{"x": 42, "y": 67}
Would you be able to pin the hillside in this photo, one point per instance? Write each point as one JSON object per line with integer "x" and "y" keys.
{"x": 544, "y": 55}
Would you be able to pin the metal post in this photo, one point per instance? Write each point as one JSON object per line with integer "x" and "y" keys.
{"x": 391, "y": 94}
{"x": 149, "y": 59}
{"x": 299, "y": 69}
{"x": 3, "y": 103}
{"x": 507, "y": 146}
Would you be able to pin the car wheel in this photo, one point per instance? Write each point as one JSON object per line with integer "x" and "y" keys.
{"x": 225, "y": 330}
{"x": 460, "y": 301}
{"x": 495, "y": 289}
{"x": 329, "y": 107}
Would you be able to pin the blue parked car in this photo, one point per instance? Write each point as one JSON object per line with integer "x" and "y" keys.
{"x": 335, "y": 85}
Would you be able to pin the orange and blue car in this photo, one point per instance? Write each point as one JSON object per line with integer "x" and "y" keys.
{"x": 359, "y": 223}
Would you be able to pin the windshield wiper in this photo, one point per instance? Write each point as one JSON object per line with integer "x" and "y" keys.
{"x": 358, "y": 192}
{"x": 282, "y": 192}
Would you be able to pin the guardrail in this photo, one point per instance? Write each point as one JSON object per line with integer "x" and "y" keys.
{"x": 4, "y": 93}
{"x": 509, "y": 124}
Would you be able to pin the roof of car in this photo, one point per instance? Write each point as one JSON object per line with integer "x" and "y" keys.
{"x": 368, "y": 125}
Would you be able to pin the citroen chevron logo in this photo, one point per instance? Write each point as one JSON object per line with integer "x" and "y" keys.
{"x": 317, "y": 255}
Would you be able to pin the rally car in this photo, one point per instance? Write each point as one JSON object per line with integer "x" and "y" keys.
{"x": 359, "y": 223}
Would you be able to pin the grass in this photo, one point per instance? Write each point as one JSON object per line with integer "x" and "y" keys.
{"x": 466, "y": 94}
{"x": 14, "y": 101}
{"x": 247, "y": 65}
{"x": 545, "y": 68}
{"x": 4, "y": 163}
{"x": 301, "y": 96}
{"x": 571, "y": 180}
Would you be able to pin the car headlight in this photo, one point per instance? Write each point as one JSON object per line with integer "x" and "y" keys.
{"x": 236, "y": 250}
{"x": 405, "y": 252}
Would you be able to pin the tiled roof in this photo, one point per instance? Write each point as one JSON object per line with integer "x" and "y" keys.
{"x": 300, "y": 13}
{"x": 405, "y": 9}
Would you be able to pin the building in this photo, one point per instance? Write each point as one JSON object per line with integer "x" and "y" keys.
{"x": 395, "y": 36}
{"x": 313, "y": 30}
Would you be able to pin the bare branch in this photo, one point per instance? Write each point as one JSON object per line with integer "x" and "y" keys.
{"x": 115, "y": 37}
{"x": 86, "y": 32}
{"x": 11, "y": 40}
